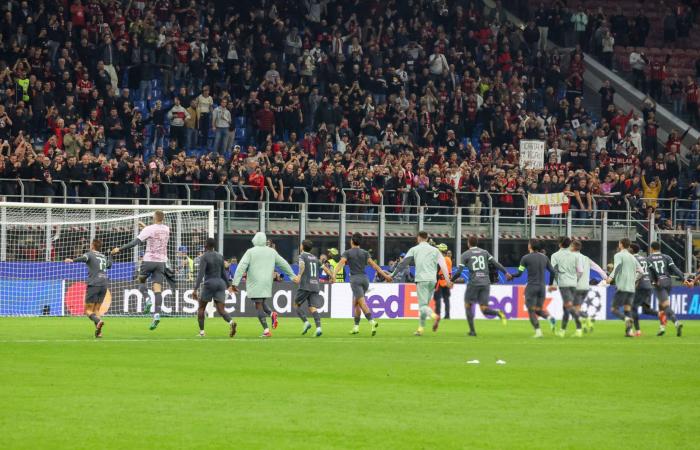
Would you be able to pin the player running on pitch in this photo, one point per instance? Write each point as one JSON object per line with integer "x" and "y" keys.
{"x": 566, "y": 264}
{"x": 661, "y": 271}
{"x": 536, "y": 264}
{"x": 642, "y": 295}
{"x": 259, "y": 263}
{"x": 358, "y": 259}
{"x": 309, "y": 286}
{"x": 585, "y": 264}
{"x": 153, "y": 266}
{"x": 425, "y": 258}
{"x": 213, "y": 278}
{"x": 478, "y": 291}
{"x": 626, "y": 270}
{"x": 97, "y": 282}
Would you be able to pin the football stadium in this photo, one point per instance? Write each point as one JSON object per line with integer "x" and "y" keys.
{"x": 419, "y": 224}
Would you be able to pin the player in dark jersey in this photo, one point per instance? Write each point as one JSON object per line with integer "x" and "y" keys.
{"x": 97, "y": 282}
{"x": 214, "y": 280}
{"x": 642, "y": 295}
{"x": 478, "y": 261}
{"x": 536, "y": 264}
{"x": 310, "y": 269}
{"x": 661, "y": 271}
{"x": 358, "y": 259}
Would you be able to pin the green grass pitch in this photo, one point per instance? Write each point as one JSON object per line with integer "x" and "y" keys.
{"x": 137, "y": 389}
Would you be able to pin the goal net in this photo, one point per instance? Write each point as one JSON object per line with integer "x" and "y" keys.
{"x": 36, "y": 239}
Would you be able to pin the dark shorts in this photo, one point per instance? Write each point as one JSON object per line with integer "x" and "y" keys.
{"x": 314, "y": 299}
{"x": 642, "y": 297}
{"x": 359, "y": 285}
{"x": 477, "y": 294}
{"x": 153, "y": 270}
{"x": 580, "y": 297}
{"x": 622, "y": 299}
{"x": 259, "y": 299}
{"x": 213, "y": 290}
{"x": 663, "y": 292}
{"x": 568, "y": 294}
{"x": 535, "y": 295}
{"x": 442, "y": 293}
{"x": 95, "y": 294}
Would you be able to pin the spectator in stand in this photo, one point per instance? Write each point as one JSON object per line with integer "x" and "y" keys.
{"x": 607, "y": 95}
{"x": 675, "y": 88}
{"x": 265, "y": 121}
{"x": 579, "y": 21}
{"x": 204, "y": 104}
{"x": 191, "y": 125}
{"x": 177, "y": 116}
{"x": 543, "y": 19}
{"x": 657, "y": 76}
{"x": 619, "y": 26}
{"x": 607, "y": 49}
{"x": 221, "y": 122}
{"x": 114, "y": 130}
{"x": 692, "y": 93}
{"x": 639, "y": 62}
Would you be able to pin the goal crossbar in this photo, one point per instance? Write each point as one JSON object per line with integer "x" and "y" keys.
{"x": 38, "y": 241}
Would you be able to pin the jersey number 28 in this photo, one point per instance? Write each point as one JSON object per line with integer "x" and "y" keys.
{"x": 478, "y": 262}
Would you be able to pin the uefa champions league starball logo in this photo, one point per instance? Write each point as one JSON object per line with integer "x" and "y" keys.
{"x": 593, "y": 303}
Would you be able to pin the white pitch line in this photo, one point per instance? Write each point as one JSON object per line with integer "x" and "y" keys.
{"x": 295, "y": 339}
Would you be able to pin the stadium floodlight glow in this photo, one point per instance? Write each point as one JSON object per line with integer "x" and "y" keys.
{"x": 36, "y": 238}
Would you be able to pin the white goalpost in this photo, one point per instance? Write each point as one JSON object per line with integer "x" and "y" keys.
{"x": 35, "y": 239}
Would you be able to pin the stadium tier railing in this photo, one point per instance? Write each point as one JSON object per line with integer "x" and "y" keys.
{"x": 406, "y": 211}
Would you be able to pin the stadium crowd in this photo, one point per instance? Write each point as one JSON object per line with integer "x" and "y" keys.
{"x": 653, "y": 47}
{"x": 381, "y": 99}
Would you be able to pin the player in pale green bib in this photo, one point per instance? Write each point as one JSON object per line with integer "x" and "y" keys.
{"x": 566, "y": 264}
{"x": 625, "y": 274}
{"x": 425, "y": 257}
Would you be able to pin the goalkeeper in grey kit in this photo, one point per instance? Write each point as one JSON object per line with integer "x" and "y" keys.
{"x": 97, "y": 282}
{"x": 213, "y": 278}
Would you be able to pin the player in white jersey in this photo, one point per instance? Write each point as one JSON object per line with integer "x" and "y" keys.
{"x": 156, "y": 237}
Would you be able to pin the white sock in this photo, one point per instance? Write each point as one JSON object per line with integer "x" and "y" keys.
{"x": 156, "y": 316}
{"x": 266, "y": 330}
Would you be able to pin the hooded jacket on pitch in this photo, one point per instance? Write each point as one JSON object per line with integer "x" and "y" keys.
{"x": 259, "y": 264}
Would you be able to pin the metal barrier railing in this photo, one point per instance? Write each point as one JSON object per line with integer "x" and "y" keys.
{"x": 410, "y": 207}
